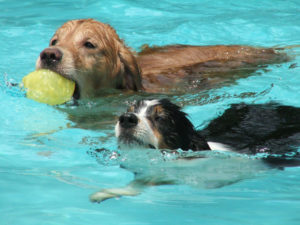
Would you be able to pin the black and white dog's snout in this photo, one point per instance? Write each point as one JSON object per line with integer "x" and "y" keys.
{"x": 128, "y": 120}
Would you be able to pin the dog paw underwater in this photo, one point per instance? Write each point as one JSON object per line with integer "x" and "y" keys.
{"x": 245, "y": 141}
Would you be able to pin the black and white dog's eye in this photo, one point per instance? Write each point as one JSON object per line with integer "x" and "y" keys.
{"x": 89, "y": 45}
{"x": 53, "y": 42}
{"x": 157, "y": 118}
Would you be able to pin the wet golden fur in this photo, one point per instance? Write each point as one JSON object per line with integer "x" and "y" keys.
{"x": 112, "y": 65}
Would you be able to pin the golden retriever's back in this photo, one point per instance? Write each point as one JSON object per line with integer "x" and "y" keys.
{"x": 174, "y": 63}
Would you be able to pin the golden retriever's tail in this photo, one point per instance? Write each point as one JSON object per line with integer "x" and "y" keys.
{"x": 291, "y": 51}
{"x": 280, "y": 48}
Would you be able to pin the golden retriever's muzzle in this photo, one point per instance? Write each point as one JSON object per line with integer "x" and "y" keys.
{"x": 59, "y": 61}
{"x": 50, "y": 57}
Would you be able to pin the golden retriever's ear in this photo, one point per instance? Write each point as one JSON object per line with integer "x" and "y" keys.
{"x": 131, "y": 70}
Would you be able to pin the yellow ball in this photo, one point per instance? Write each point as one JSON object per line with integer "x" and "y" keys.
{"x": 48, "y": 87}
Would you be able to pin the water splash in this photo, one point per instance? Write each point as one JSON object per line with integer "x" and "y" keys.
{"x": 10, "y": 87}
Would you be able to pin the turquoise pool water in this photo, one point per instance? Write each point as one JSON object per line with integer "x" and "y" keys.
{"x": 47, "y": 169}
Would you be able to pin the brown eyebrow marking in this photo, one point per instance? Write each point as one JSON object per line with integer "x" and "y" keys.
{"x": 158, "y": 109}
{"x": 161, "y": 142}
{"x": 131, "y": 109}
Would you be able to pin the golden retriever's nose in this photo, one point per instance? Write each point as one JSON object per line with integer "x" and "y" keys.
{"x": 51, "y": 56}
{"x": 128, "y": 120}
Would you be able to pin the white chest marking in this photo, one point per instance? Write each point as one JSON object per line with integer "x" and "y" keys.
{"x": 219, "y": 146}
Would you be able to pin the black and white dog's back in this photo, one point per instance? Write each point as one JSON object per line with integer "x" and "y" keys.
{"x": 260, "y": 128}
{"x": 271, "y": 129}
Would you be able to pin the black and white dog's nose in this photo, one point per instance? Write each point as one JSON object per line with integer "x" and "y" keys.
{"x": 128, "y": 120}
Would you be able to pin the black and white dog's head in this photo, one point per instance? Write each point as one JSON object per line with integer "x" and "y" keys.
{"x": 157, "y": 124}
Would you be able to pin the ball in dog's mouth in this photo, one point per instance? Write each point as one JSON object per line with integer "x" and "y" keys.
{"x": 49, "y": 87}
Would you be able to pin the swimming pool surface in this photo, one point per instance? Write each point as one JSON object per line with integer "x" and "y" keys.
{"x": 47, "y": 165}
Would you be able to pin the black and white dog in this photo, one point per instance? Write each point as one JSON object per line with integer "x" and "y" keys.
{"x": 271, "y": 129}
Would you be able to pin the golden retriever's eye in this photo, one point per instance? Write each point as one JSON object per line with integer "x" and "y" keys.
{"x": 53, "y": 42}
{"x": 89, "y": 45}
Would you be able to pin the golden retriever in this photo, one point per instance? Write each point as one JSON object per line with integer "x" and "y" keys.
{"x": 92, "y": 54}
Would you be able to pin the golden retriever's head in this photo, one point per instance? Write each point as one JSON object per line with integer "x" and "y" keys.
{"x": 91, "y": 54}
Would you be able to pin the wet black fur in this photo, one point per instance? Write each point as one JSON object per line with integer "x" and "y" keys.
{"x": 258, "y": 128}
{"x": 177, "y": 130}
